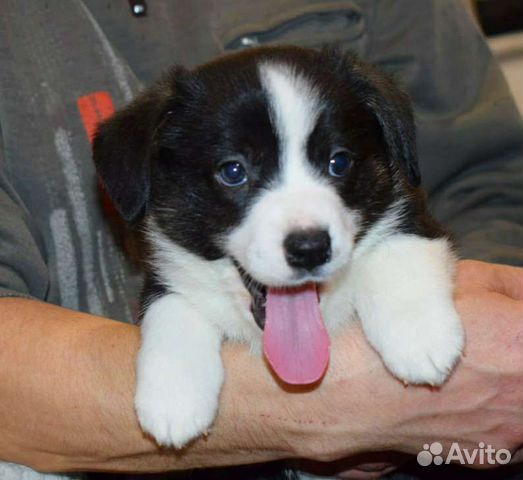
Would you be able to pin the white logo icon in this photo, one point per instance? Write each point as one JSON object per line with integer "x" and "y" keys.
{"x": 430, "y": 454}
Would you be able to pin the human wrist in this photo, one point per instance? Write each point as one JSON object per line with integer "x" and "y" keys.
{"x": 253, "y": 407}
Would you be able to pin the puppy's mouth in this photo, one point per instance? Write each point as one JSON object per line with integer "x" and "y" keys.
{"x": 295, "y": 340}
{"x": 258, "y": 294}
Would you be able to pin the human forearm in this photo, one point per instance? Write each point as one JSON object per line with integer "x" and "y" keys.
{"x": 67, "y": 398}
{"x": 66, "y": 401}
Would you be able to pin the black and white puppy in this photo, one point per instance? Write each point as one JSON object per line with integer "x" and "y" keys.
{"x": 279, "y": 191}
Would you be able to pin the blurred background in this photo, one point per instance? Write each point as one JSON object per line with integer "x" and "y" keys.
{"x": 502, "y": 22}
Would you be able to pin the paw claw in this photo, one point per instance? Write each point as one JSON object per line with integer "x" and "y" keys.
{"x": 175, "y": 424}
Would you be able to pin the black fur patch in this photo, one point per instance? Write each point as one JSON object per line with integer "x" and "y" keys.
{"x": 220, "y": 120}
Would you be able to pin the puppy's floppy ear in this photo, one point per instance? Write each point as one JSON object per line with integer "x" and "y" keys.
{"x": 390, "y": 106}
{"x": 123, "y": 146}
{"x": 392, "y": 109}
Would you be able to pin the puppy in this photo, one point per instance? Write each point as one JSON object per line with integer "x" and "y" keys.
{"x": 279, "y": 190}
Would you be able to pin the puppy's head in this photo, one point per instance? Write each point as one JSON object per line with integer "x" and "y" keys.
{"x": 278, "y": 157}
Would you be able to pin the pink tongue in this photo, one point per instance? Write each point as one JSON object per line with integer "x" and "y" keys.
{"x": 295, "y": 341}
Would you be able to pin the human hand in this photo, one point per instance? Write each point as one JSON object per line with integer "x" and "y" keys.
{"x": 481, "y": 402}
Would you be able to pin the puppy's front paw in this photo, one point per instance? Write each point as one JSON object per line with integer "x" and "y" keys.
{"x": 176, "y": 406}
{"x": 424, "y": 345}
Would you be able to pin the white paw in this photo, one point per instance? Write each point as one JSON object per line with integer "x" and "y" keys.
{"x": 176, "y": 406}
{"x": 423, "y": 347}
{"x": 404, "y": 297}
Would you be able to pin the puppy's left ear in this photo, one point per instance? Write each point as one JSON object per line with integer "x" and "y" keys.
{"x": 123, "y": 146}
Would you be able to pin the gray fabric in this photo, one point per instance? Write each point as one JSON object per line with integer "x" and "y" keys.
{"x": 55, "y": 243}
{"x": 26, "y": 274}
{"x": 469, "y": 131}
{"x": 59, "y": 247}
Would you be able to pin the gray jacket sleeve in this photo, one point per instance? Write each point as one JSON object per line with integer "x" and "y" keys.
{"x": 469, "y": 131}
{"x": 23, "y": 268}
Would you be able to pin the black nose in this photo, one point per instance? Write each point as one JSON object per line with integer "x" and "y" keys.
{"x": 307, "y": 248}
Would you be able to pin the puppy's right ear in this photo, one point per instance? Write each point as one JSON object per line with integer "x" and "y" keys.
{"x": 389, "y": 105}
{"x": 123, "y": 146}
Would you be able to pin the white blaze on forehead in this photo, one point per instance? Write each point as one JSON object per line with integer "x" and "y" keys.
{"x": 300, "y": 198}
{"x": 295, "y": 107}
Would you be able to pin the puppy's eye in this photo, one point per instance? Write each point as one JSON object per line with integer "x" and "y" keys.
{"x": 232, "y": 174}
{"x": 339, "y": 164}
